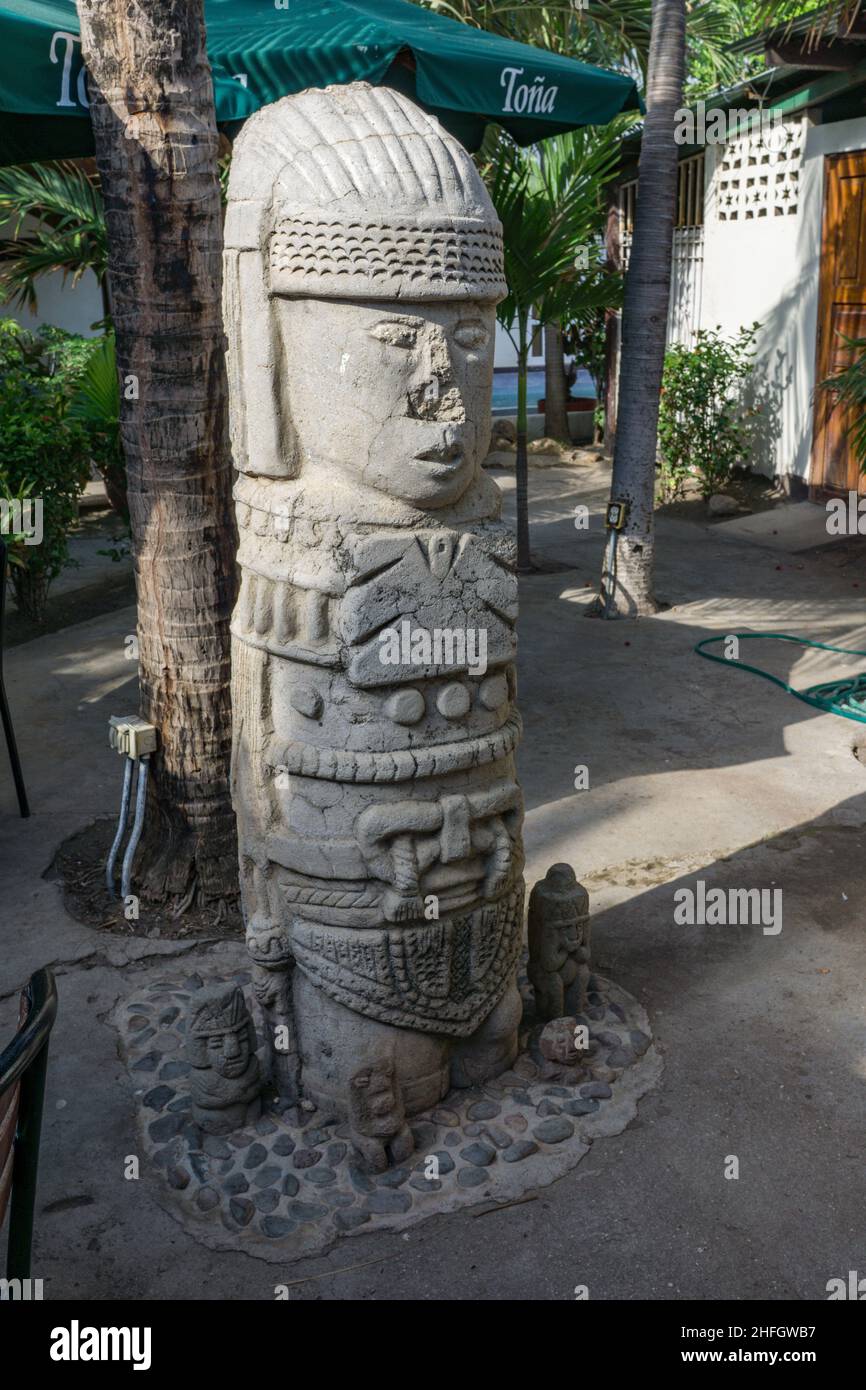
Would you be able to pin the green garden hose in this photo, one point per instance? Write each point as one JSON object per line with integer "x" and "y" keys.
{"x": 844, "y": 697}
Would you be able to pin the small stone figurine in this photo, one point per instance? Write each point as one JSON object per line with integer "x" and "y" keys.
{"x": 225, "y": 1080}
{"x": 559, "y": 943}
{"x": 377, "y": 1119}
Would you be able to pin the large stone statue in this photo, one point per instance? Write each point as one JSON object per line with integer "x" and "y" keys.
{"x": 374, "y": 635}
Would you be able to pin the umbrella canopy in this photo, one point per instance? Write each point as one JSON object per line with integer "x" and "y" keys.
{"x": 261, "y": 50}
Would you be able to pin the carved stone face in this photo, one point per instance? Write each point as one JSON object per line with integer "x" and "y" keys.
{"x": 229, "y": 1053}
{"x": 395, "y": 396}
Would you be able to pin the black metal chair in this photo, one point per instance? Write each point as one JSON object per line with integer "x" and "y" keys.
{"x": 4, "y": 704}
{"x": 23, "y": 1065}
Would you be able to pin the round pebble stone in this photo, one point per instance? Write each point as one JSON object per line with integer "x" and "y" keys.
{"x": 143, "y": 1038}
{"x": 620, "y": 1057}
{"x": 387, "y": 1202}
{"x": 607, "y": 1038}
{"x": 267, "y": 1201}
{"x": 306, "y": 1211}
{"x": 336, "y": 1152}
{"x": 444, "y": 1162}
{"x": 165, "y": 1128}
{"x": 452, "y": 1138}
{"x": 595, "y": 1012}
{"x": 618, "y": 1012}
{"x": 350, "y": 1220}
{"x": 256, "y": 1156}
{"x": 167, "y": 1019}
{"x": 472, "y": 1177}
{"x": 639, "y": 1041}
{"x": 516, "y": 1122}
{"x": 449, "y": 1118}
{"x": 602, "y": 1073}
{"x": 472, "y": 1131}
{"x": 406, "y": 707}
{"x": 482, "y": 1155}
{"x": 283, "y": 1145}
{"x": 305, "y": 1158}
{"x": 207, "y": 1198}
{"x": 521, "y": 1148}
{"x": 498, "y": 1136}
{"x": 395, "y": 1177}
{"x": 453, "y": 701}
{"x": 276, "y": 1226}
{"x": 265, "y": 1126}
{"x": 320, "y": 1176}
{"x": 217, "y": 1148}
{"x": 484, "y": 1110}
{"x": 580, "y": 1107}
{"x": 290, "y": 1185}
{"x": 178, "y": 1177}
{"x": 361, "y": 1181}
{"x": 338, "y": 1199}
{"x": 173, "y": 1069}
{"x": 158, "y": 1098}
{"x": 422, "y": 1184}
{"x": 240, "y": 1141}
{"x": 547, "y": 1107}
{"x": 522, "y": 1098}
{"x": 554, "y": 1130}
{"x": 193, "y": 981}
{"x": 173, "y": 1152}
{"x": 557, "y": 1091}
{"x": 137, "y": 1021}
{"x": 235, "y": 1184}
{"x": 266, "y": 1177}
{"x": 241, "y": 1209}
{"x": 596, "y": 1090}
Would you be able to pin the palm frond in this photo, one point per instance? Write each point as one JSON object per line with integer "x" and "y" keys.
{"x": 69, "y": 235}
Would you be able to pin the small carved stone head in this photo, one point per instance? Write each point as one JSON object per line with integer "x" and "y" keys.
{"x": 221, "y": 1034}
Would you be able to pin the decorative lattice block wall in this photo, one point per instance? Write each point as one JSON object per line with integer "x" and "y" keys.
{"x": 758, "y": 173}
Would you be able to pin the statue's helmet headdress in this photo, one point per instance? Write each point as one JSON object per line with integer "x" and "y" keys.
{"x": 348, "y": 192}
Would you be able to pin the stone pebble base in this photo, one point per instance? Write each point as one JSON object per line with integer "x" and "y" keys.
{"x": 291, "y": 1185}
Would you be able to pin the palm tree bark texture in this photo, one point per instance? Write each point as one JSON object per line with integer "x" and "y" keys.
{"x": 629, "y": 592}
{"x": 555, "y": 390}
{"x": 153, "y": 117}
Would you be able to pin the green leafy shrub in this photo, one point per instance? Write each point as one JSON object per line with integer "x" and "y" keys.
{"x": 96, "y": 404}
{"x": 44, "y": 455}
{"x": 705, "y": 426}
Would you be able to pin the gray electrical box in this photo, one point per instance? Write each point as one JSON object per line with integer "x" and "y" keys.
{"x": 131, "y": 735}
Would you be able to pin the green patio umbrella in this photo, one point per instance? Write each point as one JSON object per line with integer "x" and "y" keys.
{"x": 263, "y": 49}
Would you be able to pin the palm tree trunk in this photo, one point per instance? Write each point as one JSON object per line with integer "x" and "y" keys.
{"x": 156, "y": 144}
{"x": 644, "y": 319}
{"x": 521, "y": 466}
{"x": 555, "y": 413}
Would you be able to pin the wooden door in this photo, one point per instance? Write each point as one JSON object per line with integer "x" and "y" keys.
{"x": 841, "y": 314}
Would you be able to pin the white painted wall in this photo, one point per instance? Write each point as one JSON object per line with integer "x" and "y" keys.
{"x": 768, "y": 269}
{"x": 506, "y": 354}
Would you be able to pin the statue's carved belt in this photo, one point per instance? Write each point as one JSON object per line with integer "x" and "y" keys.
{"x": 439, "y": 977}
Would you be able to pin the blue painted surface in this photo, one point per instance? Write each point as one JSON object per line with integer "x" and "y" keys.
{"x": 505, "y": 388}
